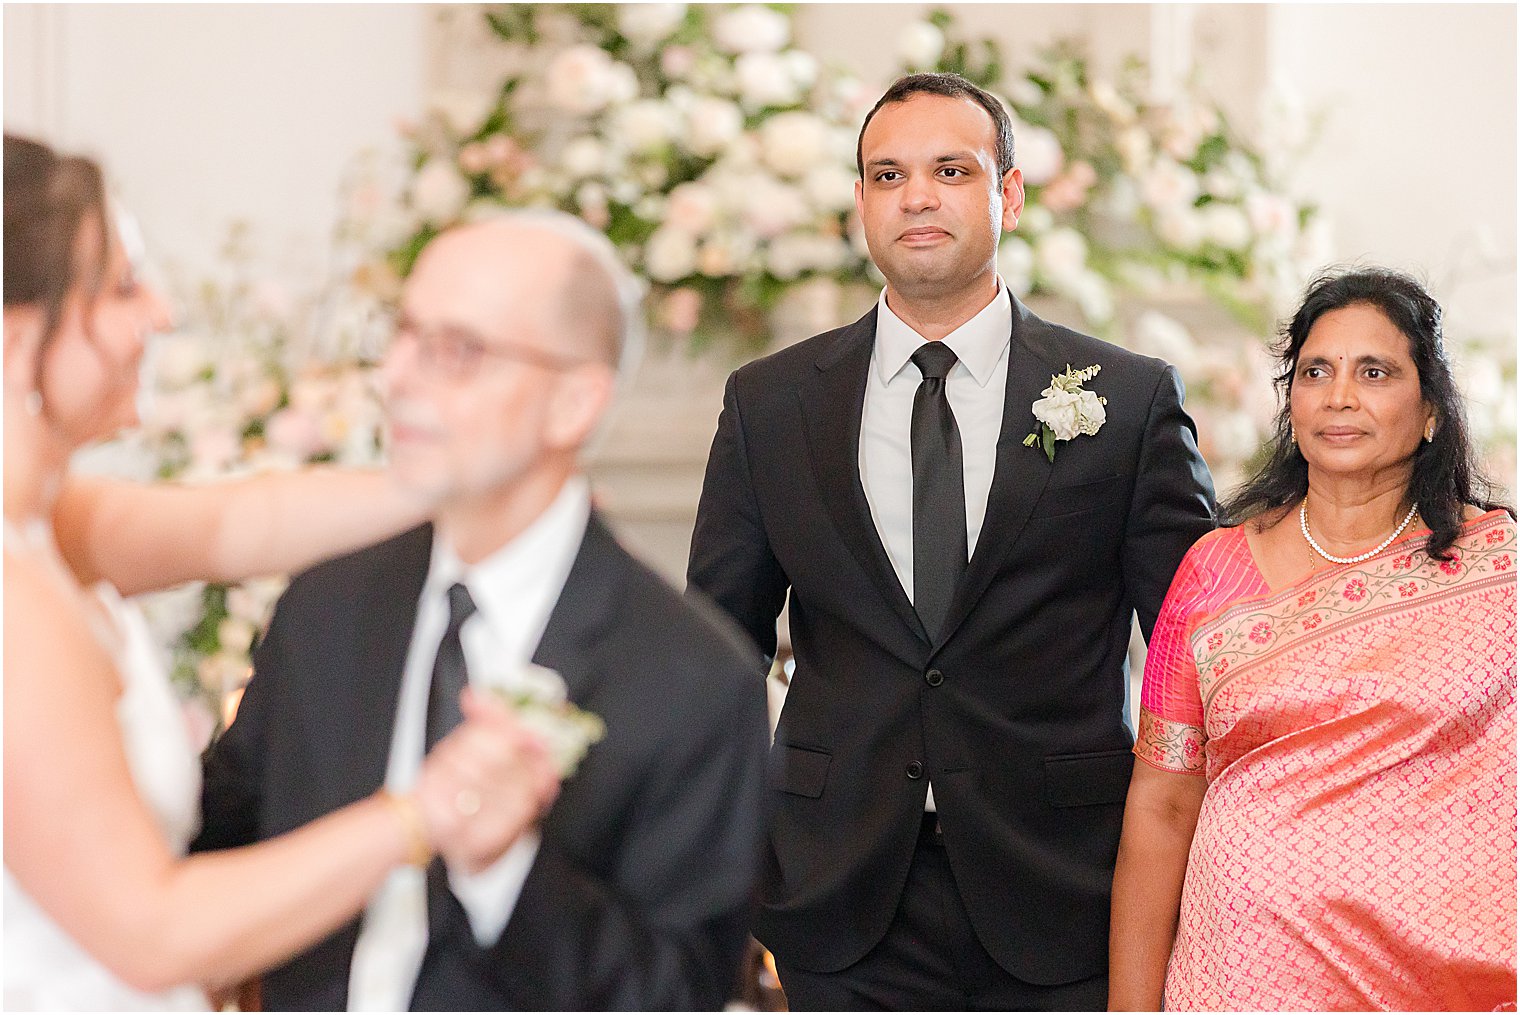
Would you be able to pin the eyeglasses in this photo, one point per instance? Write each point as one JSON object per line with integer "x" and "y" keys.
{"x": 455, "y": 353}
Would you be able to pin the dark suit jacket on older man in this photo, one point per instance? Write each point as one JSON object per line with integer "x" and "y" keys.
{"x": 1015, "y": 712}
{"x": 640, "y": 892}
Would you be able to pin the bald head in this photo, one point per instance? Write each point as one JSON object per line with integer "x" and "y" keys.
{"x": 563, "y": 273}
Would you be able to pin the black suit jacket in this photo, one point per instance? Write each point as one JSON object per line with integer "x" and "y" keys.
{"x": 1016, "y": 712}
{"x": 639, "y": 894}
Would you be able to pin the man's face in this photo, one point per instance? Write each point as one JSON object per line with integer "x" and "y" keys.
{"x": 932, "y": 202}
{"x": 481, "y": 391}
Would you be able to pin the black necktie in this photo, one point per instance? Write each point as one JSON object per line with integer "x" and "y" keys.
{"x": 449, "y": 672}
{"x": 939, "y": 493}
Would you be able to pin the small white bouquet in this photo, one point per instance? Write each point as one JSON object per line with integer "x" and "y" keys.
{"x": 538, "y": 697}
{"x": 1068, "y": 410}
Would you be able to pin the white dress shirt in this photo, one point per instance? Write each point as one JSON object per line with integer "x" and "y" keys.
{"x": 975, "y": 387}
{"x": 514, "y": 590}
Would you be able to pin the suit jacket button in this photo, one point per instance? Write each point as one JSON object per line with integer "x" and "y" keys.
{"x": 934, "y": 678}
{"x": 915, "y": 770}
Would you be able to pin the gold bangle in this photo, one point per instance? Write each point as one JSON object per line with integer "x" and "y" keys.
{"x": 419, "y": 852}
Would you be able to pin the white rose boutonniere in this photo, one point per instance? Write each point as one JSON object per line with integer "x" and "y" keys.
{"x": 538, "y": 697}
{"x": 1067, "y": 410}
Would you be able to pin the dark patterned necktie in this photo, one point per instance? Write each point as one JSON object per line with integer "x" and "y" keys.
{"x": 449, "y": 672}
{"x": 939, "y": 493}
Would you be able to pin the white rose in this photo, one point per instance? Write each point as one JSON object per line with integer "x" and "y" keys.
{"x": 751, "y": 29}
{"x": 1180, "y": 227}
{"x": 711, "y": 125}
{"x": 919, "y": 45}
{"x": 790, "y": 255}
{"x": 1040, "y": 155}
{"x": 462, "y": 111}
{"x": 1093, "y": 296}
{"x": 644, "y": 125}
{"x": 1107, "y": 98}
{"x": 830, "y": 187}
{"x": 802, "y": 67}
{"x": 438, "y": 192}
{"x": 1015, "y": 262}
{"x": 235, "y": 634}
{"x": 1225, "y": 225}
{"x": 792, "y": 143}
{"x": 1061, "y": 411}
{"x": 222, "y": 672}
{"x": 670, "y": 255}
{"x": 1159, "y": 335}
{"x": 1270, "y": 214}
{"x": 1222, "y": 183}
{"x": 1167, "y": 185}
{"x": 1036, "y": 219}
{"x": 771, "y": 208}
{"x": 178, "y": 360}
{"x": 581, "y": 80}
{"x": 647, "y": 24}
{"x": 765, "y": 80}
{"x": 1090, "y": 413}
{"x": 692, "y": 208}
{"x": 1134, "y": 146}
{"x": 1061, "y": 256}
{"x": 584, "y": 156}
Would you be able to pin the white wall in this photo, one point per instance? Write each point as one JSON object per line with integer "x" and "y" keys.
{"x": 204, "y": 114}
{"x": 1416, "y": 162}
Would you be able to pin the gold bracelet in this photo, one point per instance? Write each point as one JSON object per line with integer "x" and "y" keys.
{"x": 419, "y": 852}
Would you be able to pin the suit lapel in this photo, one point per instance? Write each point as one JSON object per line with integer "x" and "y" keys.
{"x": 1020, "y": 474}
{"x": 582, "y": 612}
{"x": 831, "y": 412}
{"x": 387, "y": 612}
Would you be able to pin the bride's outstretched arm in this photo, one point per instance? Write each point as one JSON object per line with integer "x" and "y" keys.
{"x": 146, "y": 536}
{"x": 83, "y": 845}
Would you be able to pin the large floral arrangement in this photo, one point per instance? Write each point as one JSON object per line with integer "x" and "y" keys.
{"x": 719, "y": 158}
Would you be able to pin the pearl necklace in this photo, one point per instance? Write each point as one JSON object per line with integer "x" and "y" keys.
{"x": 1303, "y": 524}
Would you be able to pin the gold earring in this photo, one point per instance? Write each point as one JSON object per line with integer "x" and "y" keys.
{"x": 1292, "y": 436}
{"x": 1430, "y": 431}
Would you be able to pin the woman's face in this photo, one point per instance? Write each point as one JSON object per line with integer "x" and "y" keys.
{"x": 90, "y": 369}
{"x": 1355, "y": 397}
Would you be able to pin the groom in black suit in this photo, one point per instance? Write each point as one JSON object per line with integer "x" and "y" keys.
{"x": 634, "y": 892}
{"x": 956, "y": 748}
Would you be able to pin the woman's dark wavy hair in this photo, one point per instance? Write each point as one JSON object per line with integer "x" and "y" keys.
{"x": 49, "y": 199}
{"x": 1446, "y": 475}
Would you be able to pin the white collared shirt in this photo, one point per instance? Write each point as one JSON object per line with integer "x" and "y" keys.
{"x": 975, "y": 388}
{"x": 514, "y": 590}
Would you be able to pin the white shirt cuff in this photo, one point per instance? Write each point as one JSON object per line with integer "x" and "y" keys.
{"x": 489, "y": 897}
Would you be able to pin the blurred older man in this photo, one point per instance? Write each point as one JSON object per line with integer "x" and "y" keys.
{"x": 632, "y": 892}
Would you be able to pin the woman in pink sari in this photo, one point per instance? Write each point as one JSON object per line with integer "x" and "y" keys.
{"x": 1324, "y": 818}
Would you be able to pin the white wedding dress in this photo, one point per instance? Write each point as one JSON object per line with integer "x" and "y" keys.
{"x": 45, "y": 969}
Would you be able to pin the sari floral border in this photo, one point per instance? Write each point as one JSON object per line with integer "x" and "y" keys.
{"x": 1169, "y": 746}
{"x": 1398, "y": 578}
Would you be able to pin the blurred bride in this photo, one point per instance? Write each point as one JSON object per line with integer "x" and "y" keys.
{"x": 101, "y": 784}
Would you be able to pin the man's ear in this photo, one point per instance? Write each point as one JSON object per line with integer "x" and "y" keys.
{"x": 581, "y": 398}
{"x": 1013, "y": 199}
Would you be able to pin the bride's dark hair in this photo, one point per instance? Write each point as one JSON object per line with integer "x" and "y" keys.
{"x": 49, "y": 201}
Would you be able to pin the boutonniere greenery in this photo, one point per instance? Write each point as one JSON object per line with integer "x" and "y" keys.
{"x": 539, "y": 697}
{"x": 1067, "y": 410}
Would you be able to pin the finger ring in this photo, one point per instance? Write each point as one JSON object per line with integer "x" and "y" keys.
{"x": 467, "y": 802}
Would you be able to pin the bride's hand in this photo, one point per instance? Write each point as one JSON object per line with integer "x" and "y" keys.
{"x": 484, "y": 785}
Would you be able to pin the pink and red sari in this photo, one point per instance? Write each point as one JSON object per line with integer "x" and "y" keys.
{"x": 1356, "y": 844}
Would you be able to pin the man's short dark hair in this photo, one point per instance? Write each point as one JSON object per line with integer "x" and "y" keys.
{"x": 951, "y": 86}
